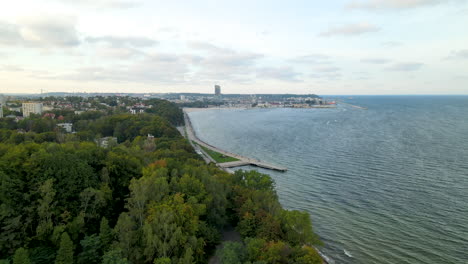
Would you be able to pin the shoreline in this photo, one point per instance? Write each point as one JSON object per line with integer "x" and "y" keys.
{"x": 188, "y": 129}
{"x": 196, "y": 109}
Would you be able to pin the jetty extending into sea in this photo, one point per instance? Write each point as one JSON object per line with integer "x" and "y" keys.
{"x": 241, "y": 160}
{"x": 355, "y": 106}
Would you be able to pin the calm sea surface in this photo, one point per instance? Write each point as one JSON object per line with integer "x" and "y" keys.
{"x": 384, "y": 185}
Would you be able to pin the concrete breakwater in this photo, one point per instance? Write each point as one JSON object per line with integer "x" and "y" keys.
{"x": 242, "y": 161}
{"x": 355, "y": 106}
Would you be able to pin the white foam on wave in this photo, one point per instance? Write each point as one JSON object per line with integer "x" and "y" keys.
{"x": 347, "y": 253}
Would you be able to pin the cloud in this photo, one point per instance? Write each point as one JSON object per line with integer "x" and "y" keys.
{"x": 312, "y": 59}
{"x": 50, "y": 31}
{"x": 328, "y": 69}
{"x": 11, "y": 68}
{"x": 114, "y": 4}
{"x": 391, "y": 44}
{"x": 350, "y": 30}
{"x": 409, "y": 66}
{"x": 205, "y": 46}
{"x": 392, "y": 4}
{"x": 327, "y": 76}
{"x": 281, "y": 73}
{"x": 375, "y": 61}
{"x": 159, "y": 68}
{"x": 458, "y": 55}
{"x": 167, "y": 68}
{"x": 118, "y": 53}
{"x": 119, "y": 42}
{"x": 9, "y": 34}
{"x": 220, "y": 63}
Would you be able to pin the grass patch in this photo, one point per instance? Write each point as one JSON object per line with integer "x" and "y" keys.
{"x": 218, "y": 157}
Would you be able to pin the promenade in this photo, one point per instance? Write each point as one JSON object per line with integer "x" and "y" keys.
{"x": 242, "y": 161}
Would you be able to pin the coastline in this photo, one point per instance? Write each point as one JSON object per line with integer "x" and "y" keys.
{"x": 197, "y": 109}
{"x": 189, "y": 131}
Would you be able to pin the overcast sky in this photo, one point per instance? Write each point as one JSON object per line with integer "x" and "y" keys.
{"x": 246, "y": 46}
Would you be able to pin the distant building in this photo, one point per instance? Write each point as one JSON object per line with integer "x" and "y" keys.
{"x": 1, "y": 110}
{"x": 217, "y": 90}
{"x": 67, "y": 126}
{"x": 135, "y": 111}
{"x": 32, "y": 108}
{"x": 106, "y": 142}
{"x": 2, "y": 99}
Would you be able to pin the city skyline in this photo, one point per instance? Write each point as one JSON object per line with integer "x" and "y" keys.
{"x": 337, "y": 47}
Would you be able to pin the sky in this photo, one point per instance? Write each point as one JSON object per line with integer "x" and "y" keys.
{"x": 246, "y": 46}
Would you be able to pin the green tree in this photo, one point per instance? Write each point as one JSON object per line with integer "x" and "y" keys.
{"x": 297, "y": 228}
{"x": 232, "y": 253}
{"x": 162, "y": 261}
{"x": 90, "y": 253}
{"x": 106, "y": 234}
{"x": 65, "y": 251}
{"x": 127, "y": 236}
{"x": 45, "y": 209}
{"x": 114, "y": 257}
{"x": 254, "y": 247}
{"x": 308, "y": 255}
{"x": 21, "y": 256}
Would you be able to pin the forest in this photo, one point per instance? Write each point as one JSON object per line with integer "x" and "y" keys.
{"x": 148, "y": 198}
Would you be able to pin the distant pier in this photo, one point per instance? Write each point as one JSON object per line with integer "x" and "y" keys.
{"x": 242, "y": 161}
{"x": 355, "y": 106}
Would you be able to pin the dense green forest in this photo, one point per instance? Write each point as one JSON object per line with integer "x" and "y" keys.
{"x": 146, "y": 199}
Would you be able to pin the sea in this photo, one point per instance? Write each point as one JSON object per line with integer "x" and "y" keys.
{"x": 384, "y": 185}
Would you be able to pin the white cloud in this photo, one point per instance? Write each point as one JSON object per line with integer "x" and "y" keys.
{"x": 204, "y": 46}
{"x": 458, "y": 55}
{"x": 350, "y": 30}
{"x": 311, "y": 59}
{"x": 328, "y": 69}
{"x": 118, "y": 4}
{"x": 391, "y": 44}
{"x": 45, "y": 31}
{"x": 11, "y": 68}
{"x": 9, "y": 34}
{"x": 375, "y": 61}
{"x": 393, "y": 4}
{"x": 116, "y": 41}
{"x": 333, "y": 76}
{"x": 408, "y": 66}
{"x": 158, "y": 68}
{"x": 280, "y": 73}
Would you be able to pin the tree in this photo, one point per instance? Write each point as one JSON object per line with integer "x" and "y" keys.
{"x": 232, "y": 253}
{"x": 309, "y": 256}
{"x": 297, "y": 228}
{"x": 21, "y": 256}
{"x": 114, "y": 257}
{"x": 254, "y": 247}
{"x": 125, "y": 230}
{"x": 162, "y": 261}
{"x": 91, "y": 247}
{"x": 65, "y": 252}
{"x": 106, "y": 234}
{"x": 45, "y": 209}
{"x": 170, "y": 228}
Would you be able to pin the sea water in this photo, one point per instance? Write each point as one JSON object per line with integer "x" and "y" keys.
{"x": 383, "y": 185}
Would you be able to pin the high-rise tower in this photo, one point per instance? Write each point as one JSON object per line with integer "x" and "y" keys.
{"x": 217, "y": 90}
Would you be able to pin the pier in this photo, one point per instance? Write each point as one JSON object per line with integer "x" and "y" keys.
{"x": 355, "y": 106}
{"x": 242, "y": 161}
